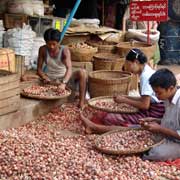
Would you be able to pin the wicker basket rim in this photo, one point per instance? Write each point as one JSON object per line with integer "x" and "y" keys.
{"x": 109, "y": 61}
{"x": 85, "y": 51}
{"x": 45, "y": 97}
{"x": 108, "y": 57}
{"x": 106, "y": 109}
{"x": 127, "y": 75}
{"x": 85, "y": 48}
{"x": 96, "y": 43}
{"x": 120, "y": 152}
{"x": 113, "y": 71}
{"x": 135, "y": 44}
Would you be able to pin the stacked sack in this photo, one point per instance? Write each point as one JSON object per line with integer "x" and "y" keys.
{"x": 38, "y": 42}
{"x": 21, "y": 41}
{"x": 1, "y": 33}
{"x": 28, "y": 7}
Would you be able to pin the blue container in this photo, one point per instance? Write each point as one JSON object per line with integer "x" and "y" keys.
{"x": 174, "y": 9}
{"x": 169, "y": 42}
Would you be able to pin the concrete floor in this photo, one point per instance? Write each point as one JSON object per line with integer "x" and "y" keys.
{"x": 174, "y": 68}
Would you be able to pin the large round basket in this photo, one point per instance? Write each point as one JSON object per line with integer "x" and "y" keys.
{"x": 155, "y": 137}
{"x": 86, "y": 115}
{"x": 124, "y": 47}
{"x": 82, "y": 55}
{"x": 107, "y": 61}
{"x": 103, "y": 46}
{"x": 50, "y": 97}
{"x": 106, "y": 103}
{"x": 109, "y": 83}
{"x": 69, "y": 39}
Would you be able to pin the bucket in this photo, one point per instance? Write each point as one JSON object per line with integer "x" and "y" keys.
{"x": 174, "y": 10}
{"x": 169, "y": 42}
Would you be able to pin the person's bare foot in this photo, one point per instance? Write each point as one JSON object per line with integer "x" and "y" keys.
{"x": 88, "y": 130}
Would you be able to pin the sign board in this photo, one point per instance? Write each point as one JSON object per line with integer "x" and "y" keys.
{"x": 149, "y": 10}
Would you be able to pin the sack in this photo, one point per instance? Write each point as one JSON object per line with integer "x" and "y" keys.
{"x": 38, "y": 42}
{"x": 21, "y": 41}
{"x": 141, "y": 35}
{"x": 38, "y": 8}
{"x": 21, "y": 7}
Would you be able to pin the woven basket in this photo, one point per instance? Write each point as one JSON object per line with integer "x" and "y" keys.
{"x": 103, "y": 46}
{"x": 82, "y": 55}
{"x": 107, "y": 61}
{"x": 109, "y": 83}
{"x": 69, "y": 39}
{"x": 158, "y": 140}
{"x": 96, "y": 128}
{"x": 124, "y": 47}
{"x": 24, "y": 94}
{"x": 93, "y": 103}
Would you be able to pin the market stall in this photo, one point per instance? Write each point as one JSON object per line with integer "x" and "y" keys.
{"x": 42, "y": 122}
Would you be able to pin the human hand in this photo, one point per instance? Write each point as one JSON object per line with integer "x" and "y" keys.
{"x": 148, "y": 119}
{"x": 46, "y": 80}
{"x": 62, "y": 86}
{"x": 120, "y": 99}
{"x": 151, "y": 126}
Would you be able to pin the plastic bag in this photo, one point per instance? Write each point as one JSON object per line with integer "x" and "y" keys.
{"x": 21, "y": 41}
{"x": 38, "y": 42}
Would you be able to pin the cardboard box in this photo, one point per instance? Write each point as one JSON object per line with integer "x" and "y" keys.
{"x": 14, "y": 20}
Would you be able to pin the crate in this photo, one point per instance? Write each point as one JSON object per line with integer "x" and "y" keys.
{"x": 14, "y": 20}
{"x": 20, "y": 65}
{"x": 41, "y": 24}
{"x": 9, "y": 92}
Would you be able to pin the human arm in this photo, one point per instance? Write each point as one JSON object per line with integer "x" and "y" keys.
{"x": 155, "y": 127}
{"x": 67, "y": 63}
{"x": 141, "y": 103}
{"x": 41, "y": 59}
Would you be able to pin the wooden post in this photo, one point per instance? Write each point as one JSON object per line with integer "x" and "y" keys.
{"x": 103, "y": 12}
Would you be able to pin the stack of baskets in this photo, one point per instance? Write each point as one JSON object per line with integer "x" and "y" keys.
{"x": 103, "y": 46}
{"x": 108, "y": 61}
{"x": 124, "y": 47}
{"x": 9, "y": 92}
{"x": 81, "y": 52}
{"x": 68, "y": 39}
{"x": 109, "y": 83}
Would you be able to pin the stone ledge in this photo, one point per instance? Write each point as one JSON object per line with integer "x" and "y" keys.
{"x": 29, "y": 110}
